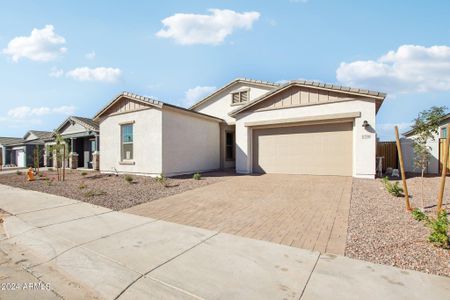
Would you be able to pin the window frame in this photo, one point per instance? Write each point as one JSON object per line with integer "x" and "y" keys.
{"x": 233, "y": 143}
{"x": 239, "y": 93}
{"x": 444, "y": 132}
{"x": 122, "y": 142}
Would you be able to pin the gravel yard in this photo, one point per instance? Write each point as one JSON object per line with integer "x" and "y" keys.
{"x": 381, "y": 231}
{"x": 110, "y": 191}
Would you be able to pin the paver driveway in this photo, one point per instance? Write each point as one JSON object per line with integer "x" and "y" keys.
{"x": 297, "y": 210}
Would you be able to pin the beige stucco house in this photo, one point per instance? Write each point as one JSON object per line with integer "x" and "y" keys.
{"x": 300, "y": 127}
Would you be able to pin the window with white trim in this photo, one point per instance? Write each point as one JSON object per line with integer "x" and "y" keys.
{"x": 126, "y": 141}
{"x": 239, "y": 97}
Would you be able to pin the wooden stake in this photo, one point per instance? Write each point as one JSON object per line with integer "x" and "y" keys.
{"x": 402, "y": 169}
{"x": 64, "y": 162}
{"x": 444, "y": 170}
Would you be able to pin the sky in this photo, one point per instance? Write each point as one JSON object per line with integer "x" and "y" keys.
{"x": 61, "y": 58}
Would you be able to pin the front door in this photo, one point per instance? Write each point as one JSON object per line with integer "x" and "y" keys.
{"x": 20, "y": 158}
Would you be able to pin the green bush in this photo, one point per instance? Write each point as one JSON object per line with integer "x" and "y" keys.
{"x": 128, "y": 178}
{"x": 82, "y": 186}
{"x": 197, "y": 176}
{"x": 439, "y": 230}
{"x": 161, "y": 179}
{"x": 393, "y": 188}
{"x": 419, "y": 215}
{"x": 83, "y": 173}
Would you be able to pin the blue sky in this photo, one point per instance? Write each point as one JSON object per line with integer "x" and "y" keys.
{"x": 59, "y": 57}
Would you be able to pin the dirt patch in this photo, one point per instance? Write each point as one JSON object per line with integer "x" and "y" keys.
{"x": 381, "y": 231}
{"x": 108, "y": 190}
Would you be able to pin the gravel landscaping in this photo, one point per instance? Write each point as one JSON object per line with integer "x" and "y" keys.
{"x": 108, "y": 190}
{"x": 381, "y": 231}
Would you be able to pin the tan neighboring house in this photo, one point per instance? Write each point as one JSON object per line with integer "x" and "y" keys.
{"x": 300, "y": 127}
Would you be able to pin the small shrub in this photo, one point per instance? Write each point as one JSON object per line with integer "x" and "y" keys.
{"x": 197, "y": 176}
{"x": 419, "y": 215}
{"x": 161, "y": 179}
{"x": 94, "y": 193}
{"x": 439, "y": 230}
{"x": 50, "y": 181}
{"x": 128, "y": 178}
{"x": 82, "y": 186}
{"x": 393, "y": 188}
{"x": 40, "y": 174}
{"x": 19, "y": 172}
{"x": 83, "y": 173}
{"x": 50, "y": 169}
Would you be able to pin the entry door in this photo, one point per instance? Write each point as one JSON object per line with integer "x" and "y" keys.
{"x": 20, "y": 158}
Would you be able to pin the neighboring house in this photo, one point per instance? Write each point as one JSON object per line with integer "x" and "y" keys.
{"x": 19, "y": 152}
{"x": 82, "y": 137}
{"x": 300, "y": 127}
{"x": 436, "y": 149}
{"x": 4, "y": 142}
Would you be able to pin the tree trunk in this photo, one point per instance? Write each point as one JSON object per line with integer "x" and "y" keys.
{"x": 421, "y": 187}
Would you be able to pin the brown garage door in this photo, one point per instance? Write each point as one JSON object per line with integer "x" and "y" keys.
{"x": 324, "y": 149}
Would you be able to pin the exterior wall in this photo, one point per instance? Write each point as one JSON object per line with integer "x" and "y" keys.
{"x": 221, "y": 105}
{"x": 364, "y": 140}
{"x": 189, "y": 144}
{"x": 408, "y": 153}
{"x": 70, "y": 129}
{"x": 147, "y": 143}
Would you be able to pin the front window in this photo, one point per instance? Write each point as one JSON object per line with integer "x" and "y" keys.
{"x": 229, "y": 146}
{"x": 127, "y": 141}
{"x": 239, "y": 97}
{"x": 443, "y": 132}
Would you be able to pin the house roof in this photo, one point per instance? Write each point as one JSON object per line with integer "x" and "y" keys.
{"x": 150, "y": 101}
{"x": 235, "y": 81}
{"x": 312, "y": 84}
{"x": 40, "y": 134}
{"x": 85, "y": 122}
{"x": 10, "y": 140}
{"x": 443, "y": 121}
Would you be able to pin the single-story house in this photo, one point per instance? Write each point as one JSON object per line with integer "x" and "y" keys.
{"x": 300, "y": 127}
{"x": 82, "y": 139}
{"x": 20, "y": 152}
{"x": 436, "y": 149}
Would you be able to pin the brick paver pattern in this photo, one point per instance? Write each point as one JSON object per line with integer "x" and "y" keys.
{"x": 302, "y": 211}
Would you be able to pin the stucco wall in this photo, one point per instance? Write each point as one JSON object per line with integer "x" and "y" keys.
{"x": 408, "y": 154}
{"x": 189, "y": 143}
{"x": 220, "y": 105}
{"x": 364, "y": 140}
{"x": 147, "y": 131}
{"x": 73, "y": 128}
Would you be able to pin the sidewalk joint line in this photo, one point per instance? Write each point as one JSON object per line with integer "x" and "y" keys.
{"x": 309, "y": 277}
{"x": 162, "y": 264}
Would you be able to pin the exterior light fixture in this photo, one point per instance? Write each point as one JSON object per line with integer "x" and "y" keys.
{"x": 365, "y": 124}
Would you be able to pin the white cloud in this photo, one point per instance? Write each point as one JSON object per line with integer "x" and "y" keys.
{"x": 90, "y": 55}
{"x": 194, "y": 94}
{"x": 42, "y": 45}
{"x": 408, "y": 69}
{"x": 55, "y": 72}
{"x": 212, "y": 29}
{"x": 96, "y": 74}
{"x": 22, "y": 112}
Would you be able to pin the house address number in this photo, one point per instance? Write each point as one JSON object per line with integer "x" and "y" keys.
{"x": 366, "y": 136}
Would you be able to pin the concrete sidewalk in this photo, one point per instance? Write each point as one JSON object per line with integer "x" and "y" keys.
{"x": 86, "y": 251}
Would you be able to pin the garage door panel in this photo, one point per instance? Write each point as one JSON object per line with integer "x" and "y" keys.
{"x": 314, "y": 149}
